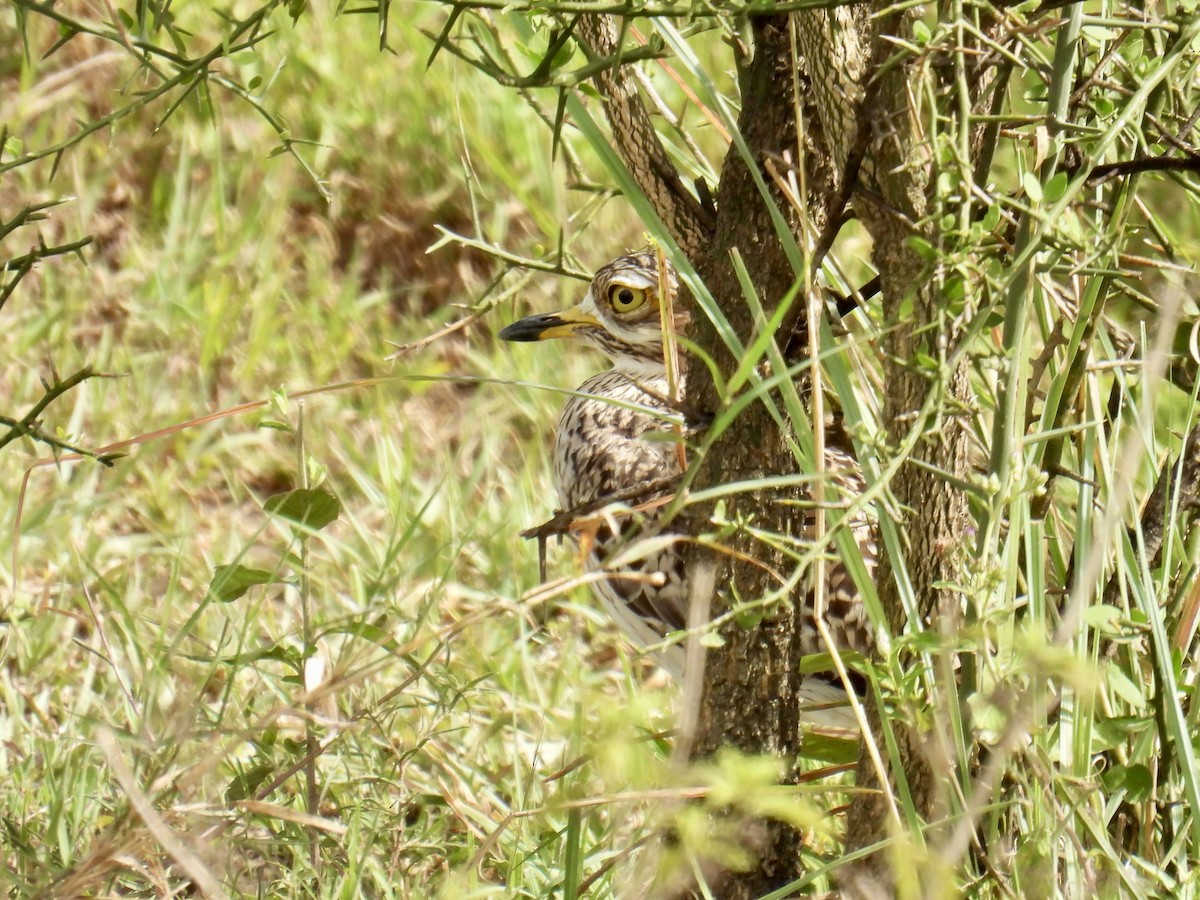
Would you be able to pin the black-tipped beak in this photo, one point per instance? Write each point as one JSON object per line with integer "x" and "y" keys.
{"x": 548, "y": 326}
{"x": 531, "y": 328}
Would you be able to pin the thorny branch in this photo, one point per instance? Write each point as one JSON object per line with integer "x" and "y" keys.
{"x": 543, "y": 74}
{"x": 26, "y": 426}
{"x": 20, "y": 266}
{"x": 723, "y": 10}
{"x": 1141, "y": 164}
{"x": 192, "y": 72}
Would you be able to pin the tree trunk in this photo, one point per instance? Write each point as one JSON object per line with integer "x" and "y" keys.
{"x": 890, "y": 155}
{"x": 752, "y": 684}
{"x": 751, "y": 696}
{"x": 750, "y": 693}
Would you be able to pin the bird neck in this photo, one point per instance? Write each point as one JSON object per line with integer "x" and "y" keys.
{"x": 640, "y": 368}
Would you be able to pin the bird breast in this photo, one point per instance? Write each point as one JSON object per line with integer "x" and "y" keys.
{"x": 608, "y": 441}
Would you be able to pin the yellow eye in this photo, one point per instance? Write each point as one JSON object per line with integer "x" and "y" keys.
{"x": 626, "y": 299}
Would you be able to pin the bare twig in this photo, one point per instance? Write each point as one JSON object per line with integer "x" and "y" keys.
{"x": 1145, "y": 164}
{"x": 563, "y": 522}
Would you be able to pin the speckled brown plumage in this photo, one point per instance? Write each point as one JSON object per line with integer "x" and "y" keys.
{"x": 615, "y": 435}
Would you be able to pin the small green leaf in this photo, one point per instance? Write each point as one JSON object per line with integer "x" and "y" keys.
{"x": 245, "y": 783}
{"x": 1033, "y": 187}
{"x": 309, "y": 508}
{"x": 661, "y": 436}
{"x": 1122, "y": 685}
{"x": 955, "y": 293}
{"x": 231, "y": 582}
{"x": 563, "y": 56}
{"x": 831, "y": 750}
{"x": 247, "y": 57}
{"x": 928, "y": 641}
{"x": 1139, "y": 783}
{"x": 1103, "y": 617}
{"x": 279, "y": 402}
{"x": 316, "y": 471}
{"x": 287, "y": 655}
{"x": 922, "y": 248}
{"x": 1056, "y": 187}
{"x": 1112, "y": 732}
{"x": 370, "y": 631}
{"x": 986, "y": 716}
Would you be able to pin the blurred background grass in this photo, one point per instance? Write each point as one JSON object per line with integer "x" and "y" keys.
{"x": 451, "y": 709}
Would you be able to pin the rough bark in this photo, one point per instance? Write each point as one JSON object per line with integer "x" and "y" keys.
{"x": 889, "y": 150}
{"x": 751, "y": 690}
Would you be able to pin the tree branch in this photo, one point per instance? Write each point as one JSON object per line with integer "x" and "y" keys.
{"x": 636, "y": 140}
{"x": 26, "y": 425}
{"x": 21, "y": 266}
{"x": 1145, "y": 164}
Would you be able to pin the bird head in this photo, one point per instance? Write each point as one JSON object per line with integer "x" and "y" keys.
{"x": 620, "y": 315}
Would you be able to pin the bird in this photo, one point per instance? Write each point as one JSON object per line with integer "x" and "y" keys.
{"x": 617, "y": 437}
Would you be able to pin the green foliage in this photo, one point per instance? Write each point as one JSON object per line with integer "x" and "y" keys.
{"x": 217, "y": 274}
{"x": 355, "y": 694}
